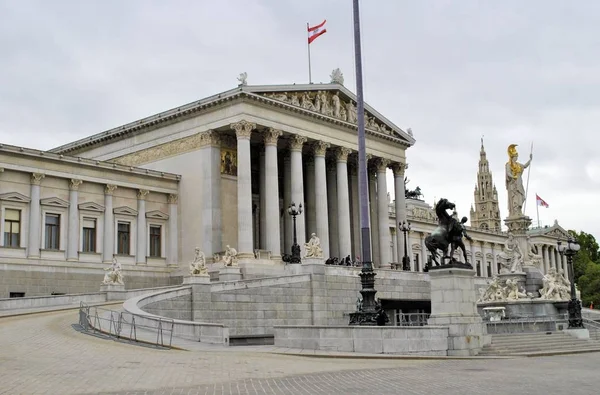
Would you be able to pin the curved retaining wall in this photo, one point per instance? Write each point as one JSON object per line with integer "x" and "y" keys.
{"x": 197, "y": 331}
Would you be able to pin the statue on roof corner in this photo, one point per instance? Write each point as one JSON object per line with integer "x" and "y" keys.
{"x": 243, "y": 79}
{"x": 337, "y": 77}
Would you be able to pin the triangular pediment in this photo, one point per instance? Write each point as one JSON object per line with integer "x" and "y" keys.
{"x": 54, "y": 202}
{"x": 91, "y": 206}
{"x": 333, "y": 101}
{"x": 124, "y": 210}
{"x": 15, "y": 197}
{"x": 156, "y": 214}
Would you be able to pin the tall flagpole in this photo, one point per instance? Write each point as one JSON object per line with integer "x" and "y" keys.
{"x": 528, "y": 173}
{"x": 308, "y": 43}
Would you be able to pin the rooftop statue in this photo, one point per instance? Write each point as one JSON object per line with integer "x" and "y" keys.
{"x": 514, "y": 182}
{"x": 243, "y": 78}
{"x": 337, "y": 77}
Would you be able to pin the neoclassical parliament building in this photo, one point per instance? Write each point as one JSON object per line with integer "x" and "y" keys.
{"x": 216, "y": 172}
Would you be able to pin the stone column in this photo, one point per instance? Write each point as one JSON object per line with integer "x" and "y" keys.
{"x": 563, "y": 258}
{"x": 273, "y": 237}
{"x": 473, "y": 260}
{"x": 343, "y": 202}
{"x": 35, "y": 217}
{"x": 423, "y": 235}
{"x": 393, "y": 246}
{"x": 73, "y": 231}
{"x": 552, "y": 257}
{"x": 355, "y": 209}
{"x": 322, "y": 214}
{"x": 172, "y": 249}
{"x": 298, "y": 187}
{"x": 309, "y": 194}
{"x": 140, "y": 256}
{"x": 383, "y": 214}
{"x": 243, "y": 130}
{"x": 546, "y": 259}
{"x": 484, "y": 270}
{"x": 373, "y": 213}
{"x": 212, "y": 228}
{"x": 262, "y": 208}
{"x": 108, "y": 246}
{"x": 494, "y": 260}
{"x": 399, "y": 205}
{"x": 334, "y": 250}
{"x": 287, "y": 200}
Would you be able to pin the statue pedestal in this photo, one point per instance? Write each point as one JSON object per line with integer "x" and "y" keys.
{"x": 454, "y": 305}
{"x": 196, "y": 279}
{"x": 313, "y": 261}
{"x": 114, "y": 291}
{"x": 230, "y": 273}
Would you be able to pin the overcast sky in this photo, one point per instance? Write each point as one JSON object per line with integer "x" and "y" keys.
{"x": 515, "y": 71}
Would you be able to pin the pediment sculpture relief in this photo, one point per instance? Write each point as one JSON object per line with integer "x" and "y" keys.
{"x": 331, "y": 105}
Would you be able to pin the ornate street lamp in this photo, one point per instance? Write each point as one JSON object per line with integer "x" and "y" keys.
{"x": 570, "y": 249}
{"x": 405, "y": 228}
{"x": 294, "y": 212}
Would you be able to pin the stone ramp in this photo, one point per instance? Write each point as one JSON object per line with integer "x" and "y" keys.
{"x": 538, "y": 344}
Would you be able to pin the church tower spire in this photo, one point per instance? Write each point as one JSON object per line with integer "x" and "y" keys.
{"x": 485, "y": 213}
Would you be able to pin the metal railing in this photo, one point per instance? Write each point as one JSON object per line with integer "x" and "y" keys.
{"x": 593, "y": 327}
{"x": 522, "y": 324}
{"x": 123, "y": 325}
{"x": 412, "y": 319}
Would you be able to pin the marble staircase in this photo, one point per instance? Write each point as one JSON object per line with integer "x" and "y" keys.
{"x": 538, "y": 344}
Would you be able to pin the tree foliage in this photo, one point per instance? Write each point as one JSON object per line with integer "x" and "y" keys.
{"x": 586, "y": 267}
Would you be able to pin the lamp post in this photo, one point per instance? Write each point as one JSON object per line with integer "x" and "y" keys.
{"x": 570, "y": 249}
{"x": 294, "y": 212}
{"x": 405, "y": 228}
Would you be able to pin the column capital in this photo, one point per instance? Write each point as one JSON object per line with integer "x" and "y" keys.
{"x": 142, "y": 193}
{"x": 398, "y": 168}
{"x": 172, "y": 198}
{"x": 272, "y": 135}
{"x": 210, "y": 137}
{"x": 74, "y": 184}
{"x": 110, "y": 189}
{"x": 297, "y": 142}
{"x": 36, "y": 178}
{"x": 320, "y": 148}
{"x": 243, "y": 129}
{"x": 341, "y": 154}
{"x": 382, "y": 164}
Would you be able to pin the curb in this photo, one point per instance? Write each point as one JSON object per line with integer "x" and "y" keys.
{"x": 396, "y": 357}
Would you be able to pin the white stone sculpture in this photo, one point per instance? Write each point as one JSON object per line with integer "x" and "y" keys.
{"x": 534, "y": 256}
{"x": 410, "y": 132}
{"x": 198, "y": 265}
{"x": 243, "y": 78}
{"x": 313, "y": 247}
{"x": 511, "y": 257}
{"x": 511, "y": 290}
{"x": 514, "y": 182}
{"x": 337, "y": 77}
{"x": 494, "y": 291}
{"x": 230, "y": 257}
{"x": 556, "y": 286}
{"x": 113, "y": 275}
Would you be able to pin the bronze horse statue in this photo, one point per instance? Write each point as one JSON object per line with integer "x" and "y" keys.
{"x": 444, "y": 235}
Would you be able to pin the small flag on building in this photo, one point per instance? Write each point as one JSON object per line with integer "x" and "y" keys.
{"x": 540, "y": 201}
{"x": 316, "y": 31}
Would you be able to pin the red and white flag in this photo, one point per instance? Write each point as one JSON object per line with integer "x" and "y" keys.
{"x": 316, "y": 31}
{"x": 540, "y": 201}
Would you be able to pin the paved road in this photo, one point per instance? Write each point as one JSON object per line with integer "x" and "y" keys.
{"x": 44, "y": 354}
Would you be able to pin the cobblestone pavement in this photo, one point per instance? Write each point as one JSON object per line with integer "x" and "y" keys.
{"x": 44, "y": 354}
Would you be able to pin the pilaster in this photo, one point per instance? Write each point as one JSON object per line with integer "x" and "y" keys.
{"x": 35, "y": 217}
{"x": 108, "y": 249}
{"x": 142, "y": 234}
{"x": 73, "y": 230}
{"x": 172, "y": 248}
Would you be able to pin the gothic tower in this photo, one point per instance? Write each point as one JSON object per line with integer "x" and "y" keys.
{"x": 485, "y": 214}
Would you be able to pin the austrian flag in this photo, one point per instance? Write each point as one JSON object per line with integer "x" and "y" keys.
{"x": 540, "y": 201}
{"x": 316, "y": 31}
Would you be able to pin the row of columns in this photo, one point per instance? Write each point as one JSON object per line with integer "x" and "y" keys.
{"x": 72, "y": 245}
{"x": 332, "y": 222}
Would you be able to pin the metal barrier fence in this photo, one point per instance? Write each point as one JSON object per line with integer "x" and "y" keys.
{"x": 522, "y": 324}
{"x": 123, "y": 325}
{"x": 412, "y": 319}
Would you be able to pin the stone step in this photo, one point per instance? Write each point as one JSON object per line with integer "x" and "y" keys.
{"x": 530, "y": 334}
{"x": 539, "y": 348}
{"x": 534, "y": 341}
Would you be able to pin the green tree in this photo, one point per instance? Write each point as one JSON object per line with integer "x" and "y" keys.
{"x": 586, "y": 267}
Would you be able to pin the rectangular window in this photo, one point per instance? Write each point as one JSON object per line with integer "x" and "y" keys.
{"x": 489, "y": 269}
{"x": 155, "y": 241}
{"x": 16, "y": 294}
{"x": 417, "y": 266}
{"x": 52, "y": 232}
{"x": 478, "y": 268}
{"x": 12, "y": 228}
{"x": 123, "y": 238}
{"x": 89, "y": 235}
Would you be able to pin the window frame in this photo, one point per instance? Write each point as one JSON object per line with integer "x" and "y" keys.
{"x": 20, "y": 222}
{"x": 15, "y": 201}
{"x": 58, "y": 233}
{"x": 161, "y": 244}
{"x": 84, "y": 239}
{"x": 130, "y": 232}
